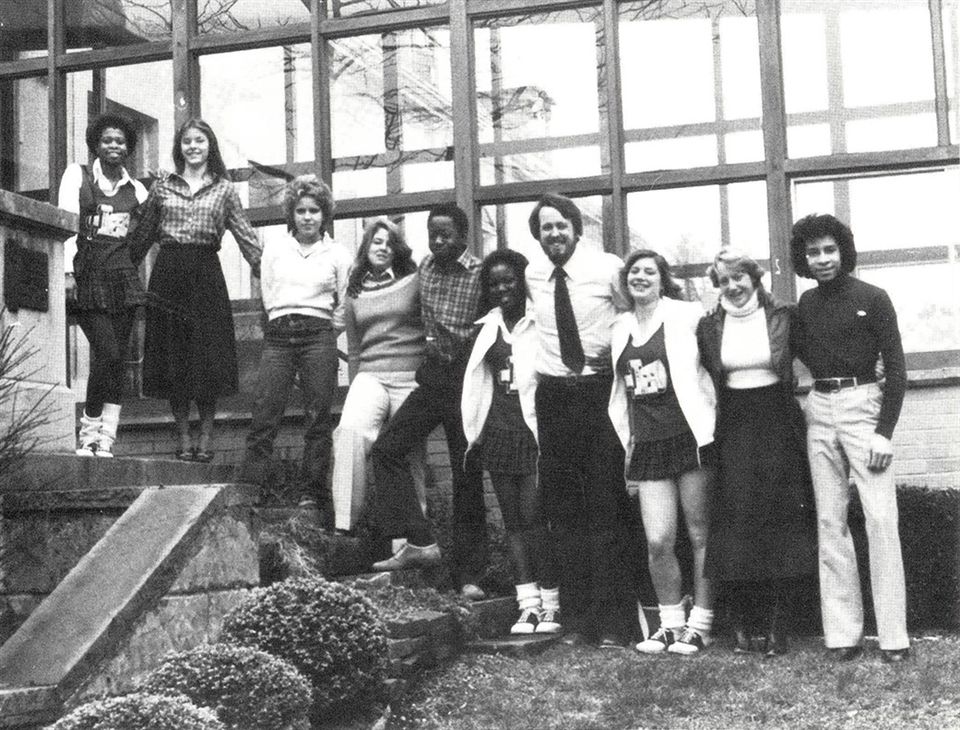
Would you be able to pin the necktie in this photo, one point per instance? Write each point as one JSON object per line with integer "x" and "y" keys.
{"x": 571, "y": 351}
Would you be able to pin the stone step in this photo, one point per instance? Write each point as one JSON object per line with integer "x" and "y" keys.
{"x": 29, "y": 706}
{"x": 517, "y": 646}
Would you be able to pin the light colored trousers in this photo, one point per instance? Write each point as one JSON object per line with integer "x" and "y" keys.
{"x": 839, "y": 427}
{"x": 373, "y": 397}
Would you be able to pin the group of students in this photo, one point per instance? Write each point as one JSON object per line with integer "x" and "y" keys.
{"x": 574, "y": 380}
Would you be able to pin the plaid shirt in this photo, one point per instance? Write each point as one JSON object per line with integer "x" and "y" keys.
{"x": 172, "y": 215}
{"x": 450, "y": 298}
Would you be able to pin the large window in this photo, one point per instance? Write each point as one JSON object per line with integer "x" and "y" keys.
{"x": 677, "y": 125}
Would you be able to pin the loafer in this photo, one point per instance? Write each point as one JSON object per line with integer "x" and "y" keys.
{"x": 472, "y": 592}
{"x": 410, "y": 556}
{"x": 846, "y": 653}
{"x": 894, "y": 656}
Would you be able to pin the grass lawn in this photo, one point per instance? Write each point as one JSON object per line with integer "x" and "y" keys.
{"x": 588, "y": 689}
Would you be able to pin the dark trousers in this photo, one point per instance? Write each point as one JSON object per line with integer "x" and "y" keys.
{"x": 108, "y": 334}
{"x": 396, "y": 508}
{"x": 586, "y": 504}
{"x": 305, "y": 351}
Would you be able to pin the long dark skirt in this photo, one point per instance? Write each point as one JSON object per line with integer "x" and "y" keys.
{"x": 190, "y": 349}
{"x": 762, "y": 517}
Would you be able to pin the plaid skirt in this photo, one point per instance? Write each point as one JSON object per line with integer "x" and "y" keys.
{"x": 102, "y": 284}
{"x": 509, "y": 451}
{"x": 668, "y": 458}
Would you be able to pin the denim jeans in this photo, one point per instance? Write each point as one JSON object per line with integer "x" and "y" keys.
{"x": 304, "y": 349}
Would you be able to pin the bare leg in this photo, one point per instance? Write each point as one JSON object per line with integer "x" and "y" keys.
{"x": 207, "y": 409}
{"x": 658, "y": 509}
{"x": 693, "y": 495}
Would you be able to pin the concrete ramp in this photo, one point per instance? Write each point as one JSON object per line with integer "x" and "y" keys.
{"x": 95, "y": 606}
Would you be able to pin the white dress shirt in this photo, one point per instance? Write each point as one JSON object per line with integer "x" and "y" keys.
{"x": 593, "y": 280}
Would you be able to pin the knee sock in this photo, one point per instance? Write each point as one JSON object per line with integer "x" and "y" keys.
{"x": 701, "y": 620}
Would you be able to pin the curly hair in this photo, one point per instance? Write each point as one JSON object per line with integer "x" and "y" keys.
{"x": 507, "y": 257}
{"x": 307, "y": 186}
{"x": 215, "y": 162}
{"x": 736, "y": 261}
{"x": 403, "y": 264}
{"x": 455, "y": 213}
{"x": 563, "y": 205}
{"x": 668, "y": 287}
{"x": 814, "y": 227}
{"x": 108, "y": 121}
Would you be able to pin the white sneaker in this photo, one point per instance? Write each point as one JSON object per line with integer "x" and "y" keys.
{"x": 549, "y": 622}
{"x": 527, "y": 623}
{"x": 689, "y": 642}
{"x": 660, "y": 642}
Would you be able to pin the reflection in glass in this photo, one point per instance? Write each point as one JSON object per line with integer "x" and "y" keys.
{"x": 23, "y": 29}
{"x": 343, "y": 8}
{"x": 24, "y": 151}
{"x": 707, "y": 62}
{"x": 142, "y": 94}
{"x": 536, "y": 79}
{"x": 104, "y": 23}
{"x": 507, "y": 226}
{"x": 391, "y": 110}
{"x": 689, "y": 225}
{"x": 349, "y": 231}
{"x": 909, "y": 249}
{"x": 232, "y": 16}
{"x": 865, "y": 71}
{"x": 273, "y": 87}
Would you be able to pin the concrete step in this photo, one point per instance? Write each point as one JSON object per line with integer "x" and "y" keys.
{"x": 29, "y": 706}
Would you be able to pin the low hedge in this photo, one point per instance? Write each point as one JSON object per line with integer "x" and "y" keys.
{"x": 247, "y": 688}
{"x": 140, "y": 711}
{"x": 328, "y": 631}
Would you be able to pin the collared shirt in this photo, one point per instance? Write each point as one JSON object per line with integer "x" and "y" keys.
{"x": 310, "y": 280}
{"x": 172, "y": 215}
{"x": 372, "y": 281}
{"x": 68, "y": 198}
{"x": 450, "y": 297}
{"x": 593, "y": 280}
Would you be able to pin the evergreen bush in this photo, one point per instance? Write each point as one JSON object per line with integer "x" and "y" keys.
{"x": 140, "y": 711}
{"x": 329, "y": 631}
{"x": 247, "y": 688}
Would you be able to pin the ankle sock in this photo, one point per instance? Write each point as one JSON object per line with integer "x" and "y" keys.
{"x": 550, "y": 599}
{"x": 528, "y": 596}
{"x": 672, "y": 616}
{"x": 701, "y": 620}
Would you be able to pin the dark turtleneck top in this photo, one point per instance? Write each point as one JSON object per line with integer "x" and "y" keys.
{"x": 845, "y": 325}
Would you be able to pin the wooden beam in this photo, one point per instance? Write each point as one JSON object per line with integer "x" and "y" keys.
{"x": 464, "y": 102}
{"x": 779, "y": 208}
{"x": 615, "y": 224}
{"x": 868, "y": 162}
{"x": 116, "y": 56}
{"x": 56, "y": 99}
{"x": 285, "y": 35}
{"x": 429, "y": 15}
{"x": 323, "y": 141}
{"x": 186, "y": 70}
{"x": 939, "y": 73}
{"x": 23, "y": 68}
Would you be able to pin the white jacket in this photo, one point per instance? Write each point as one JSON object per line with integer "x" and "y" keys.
{"x": 478, "y": 380}
{"x": 691, "y": 382}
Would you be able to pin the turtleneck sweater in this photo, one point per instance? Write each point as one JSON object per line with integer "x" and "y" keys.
{"x": 745, "y": 349}
{"x": 846, "y": 325}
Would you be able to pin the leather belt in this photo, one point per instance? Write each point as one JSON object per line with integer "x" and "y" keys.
{"x": 572, "y": 380}
{"x": 835, "y": 385}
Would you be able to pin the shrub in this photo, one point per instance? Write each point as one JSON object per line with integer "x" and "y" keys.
{"x": 247, "y": 688}
{"x": 140, "y": 711}
{"x": 328, "y": 631}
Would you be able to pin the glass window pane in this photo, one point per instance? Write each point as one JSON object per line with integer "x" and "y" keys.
{"x": 24, "y": 151}
{"x": 349, "y": 231}
{"x": 865, "y": 69}
{"x": 116, "y": 22}
{"x": 23, "y": 29}
{"x": 391, "y": 112}
{"x": 260, "y": 104}
{"x": 711, "y": 53}
{"x": 141, "y": 93}
{"x": 232, "y": 16}
{"x": 343, "y": 8}
{"x": 726, "y": 215}
{"x": 536, "y": 80}
{"x": 507, "y": 225}
{"x": 909, "y": 249}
